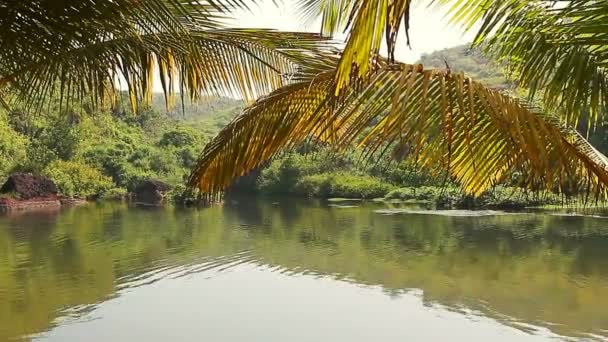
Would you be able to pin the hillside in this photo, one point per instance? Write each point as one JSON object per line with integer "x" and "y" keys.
{"x": 106, "y": 153}
{"x": 471, "y": 62}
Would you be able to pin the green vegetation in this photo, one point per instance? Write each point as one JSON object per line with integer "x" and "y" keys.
{"x": 342, "y": 184}
{"x": 500, "y": 197}
{"x": 470, "y": 61}
{"x": 321, "y": 172}
{"x": 105, "y": 154}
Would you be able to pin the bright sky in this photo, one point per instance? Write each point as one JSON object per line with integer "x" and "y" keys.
{"x": 429, "y": 31}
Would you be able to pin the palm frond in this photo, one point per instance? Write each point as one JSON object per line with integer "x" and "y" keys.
{"x": 478, "y": 135}
{"x": 285, "y": 117}
{"x": 333, "y": 13}
{"x": 240, "y": 63}
{"x": 558, "y": 49}
{"x": 368, "y": 23}
{"x": 80, "y": 51}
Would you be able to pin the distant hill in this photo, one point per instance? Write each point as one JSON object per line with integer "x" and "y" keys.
{"x": 205, "y": 108}
{"x": 472, "y": 62}
{"x": 215, "y": 106}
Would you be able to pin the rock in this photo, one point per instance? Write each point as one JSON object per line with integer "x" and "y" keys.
{"x": 26, "y": 186}
{"x": 151, "y": 191}
{"x": 26, "y": 191}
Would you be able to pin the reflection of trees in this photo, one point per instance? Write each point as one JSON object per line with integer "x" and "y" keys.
{"x": 533, "y": 268}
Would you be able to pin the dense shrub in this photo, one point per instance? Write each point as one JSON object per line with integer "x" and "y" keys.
{"x": 179, "y": 137}
{"x": 342, "y": 184}
{"x": 76, "y": 179}
{"x": 283, "y": 173}
{"x": 500, "y": 197}
{"x": 13, "y": 147}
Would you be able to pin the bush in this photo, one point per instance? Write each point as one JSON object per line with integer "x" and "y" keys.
{"x": 179, "y": 137}
{"x": 430, "y": 194}
{"x": 504, "y": 197}
{"x": 283, "y": 173}
{"x": 342, "y": 184}
{"x": 114, "y": 194}
{"x": 13, "y": 147}
{"x": 182, "y": 195}
{"x": 500, "y": 197}
{"x": 405, "y": 174}
{"x": 76, "y": 179}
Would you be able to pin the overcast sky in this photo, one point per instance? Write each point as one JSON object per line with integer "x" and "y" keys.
{"x": 429, "y": 32}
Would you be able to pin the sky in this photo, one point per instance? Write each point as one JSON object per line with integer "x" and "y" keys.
{"x": 429, "y": 31}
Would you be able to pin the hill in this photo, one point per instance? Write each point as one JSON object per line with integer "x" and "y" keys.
{"x": 472, "y": 62}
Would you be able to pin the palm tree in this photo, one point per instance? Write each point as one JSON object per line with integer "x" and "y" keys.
{"x": 480, "y": 136}
{"x": 75, "y": 49}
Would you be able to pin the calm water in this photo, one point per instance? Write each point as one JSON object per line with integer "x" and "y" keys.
{"x": 262, "y": 271}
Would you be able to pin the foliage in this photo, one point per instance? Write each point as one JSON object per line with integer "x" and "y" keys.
{"x": 478, "y": 135}
{"x": 500, "y": 197}
{"x": 342, "y": 184}
{"x": 283, "y": 174}
{"x": 104, "y": 154}
{"x": 78, "y": 50}
{"x": 558, "y": 52}
{"x": 13, "y": 146}
{"x": 76, "y": 179}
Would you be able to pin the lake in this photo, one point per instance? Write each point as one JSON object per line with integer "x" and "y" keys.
{"x": 258, "y": 270}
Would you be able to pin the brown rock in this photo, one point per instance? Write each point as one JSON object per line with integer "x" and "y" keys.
{"x": 26, "y": 186}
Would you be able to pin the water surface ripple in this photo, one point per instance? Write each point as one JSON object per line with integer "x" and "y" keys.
{"x": 301, "y": 271}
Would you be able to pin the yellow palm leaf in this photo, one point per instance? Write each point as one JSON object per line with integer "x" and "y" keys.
{"x": 478, "y": 135}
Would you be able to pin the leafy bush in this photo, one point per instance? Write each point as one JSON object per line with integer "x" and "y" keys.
{"x": 13, "y": 147}
{"x": 114, "y": 194}
{"x": 430, "y": 194}
{"x": 76, "y": 179}
{"x": 283, "y": 173}
{"x": 182, "y": 195}
{"x": 179, "y": 137}
{"x": 501, "y": 197}
{"x": 342, "y": 184}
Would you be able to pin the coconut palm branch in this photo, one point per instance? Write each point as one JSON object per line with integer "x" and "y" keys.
{"x": 556, "y": 49}
{"x": 80, "y": 49}
{"x": 447, "y": 121}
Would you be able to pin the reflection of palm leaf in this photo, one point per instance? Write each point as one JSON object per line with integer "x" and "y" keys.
{"x": 479, "y": 135}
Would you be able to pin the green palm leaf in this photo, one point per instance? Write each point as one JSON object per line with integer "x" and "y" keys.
{"x": 558, "y": 51}
{"x": 83, "y": 49}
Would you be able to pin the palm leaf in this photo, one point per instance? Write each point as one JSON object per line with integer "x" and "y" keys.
{"x": 479, "y": 135}
{"x": 239, "y": 63}
{"x": 368, "y": 22}
{"x": 559, "y": 52}
{"x": 77, "y": 51}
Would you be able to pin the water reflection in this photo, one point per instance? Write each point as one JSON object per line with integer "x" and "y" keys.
{"x": 526, "y": 271}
